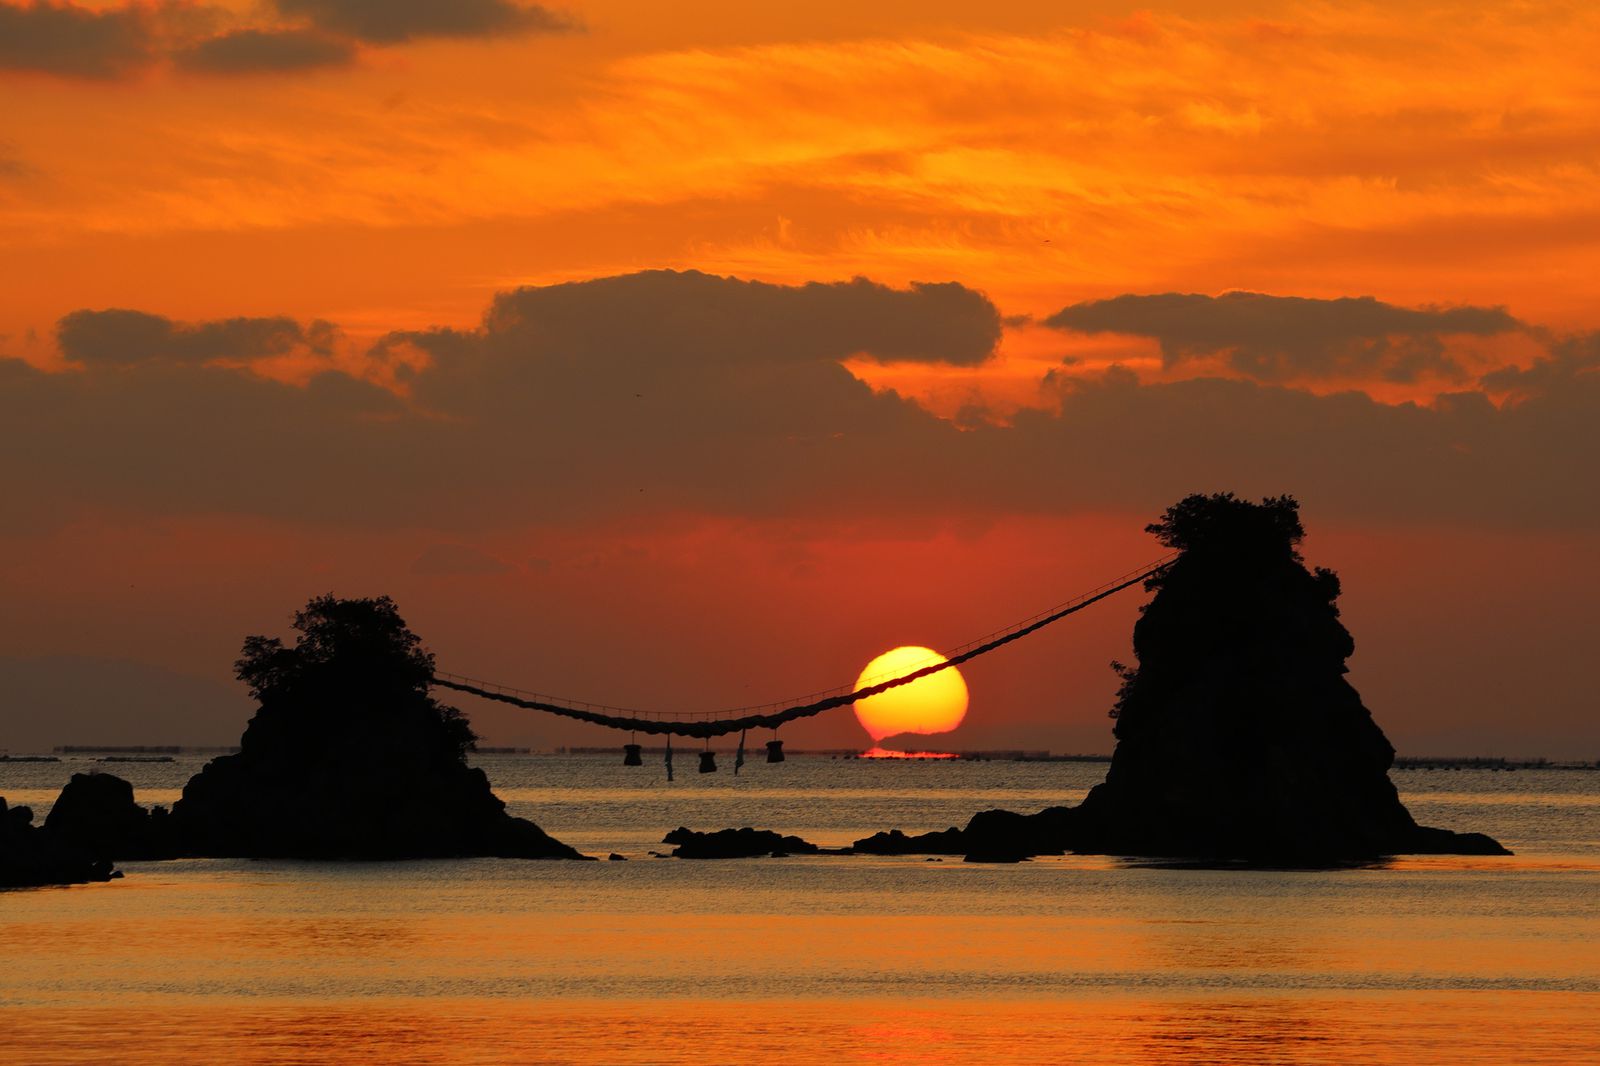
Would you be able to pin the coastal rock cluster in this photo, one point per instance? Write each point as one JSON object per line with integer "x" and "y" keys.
{"x": 347, "y": 757}
{"x": 31, "y": 856}
{"x": 1239, "y": 739}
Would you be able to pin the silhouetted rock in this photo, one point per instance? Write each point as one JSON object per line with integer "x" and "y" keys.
{"x": 349, "y": 756}
{"x": 30, "y": 857}
{"x": 735, "y": 844}
{"x": 1238, "y": 737}
{"x": 96, "y": 813}
{"x": 895, "y": 842}
{"x": 990, "y": 836}
{"x": 1237, "y": 734}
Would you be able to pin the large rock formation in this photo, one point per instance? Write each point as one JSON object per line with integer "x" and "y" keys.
{"x": 1238, "y": 736}
{"x": 31, "y": 857}
{"x": 349, "y": 756}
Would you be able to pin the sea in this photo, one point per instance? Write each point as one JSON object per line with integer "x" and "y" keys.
{"x": 827, "y": 959}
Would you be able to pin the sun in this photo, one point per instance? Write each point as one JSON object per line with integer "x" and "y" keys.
{"x": 932, "y": 704}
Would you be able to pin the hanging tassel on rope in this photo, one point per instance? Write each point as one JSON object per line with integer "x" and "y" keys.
{"x": 738, "y": 758}
{"x": 669, "y": 756}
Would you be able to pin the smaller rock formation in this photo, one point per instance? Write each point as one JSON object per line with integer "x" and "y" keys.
{"x": 349, "y": 756}
{"x": 990, "y": 836}
{"x": 31, "y": 857}
{"x": 735, "y": 844}
{"x": 95, "y": 813}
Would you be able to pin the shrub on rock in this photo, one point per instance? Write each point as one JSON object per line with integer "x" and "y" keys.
{"x": 349, "y": 756}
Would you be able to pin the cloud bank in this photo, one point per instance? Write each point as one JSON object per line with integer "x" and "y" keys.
{"x": 64, "y": 39}
{"x": 1277, "y": 338}
{"x": 664, "y": 392}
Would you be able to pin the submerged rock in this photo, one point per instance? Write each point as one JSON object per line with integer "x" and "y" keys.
{"x": 990, "y": 836}
{"x": 31, "y": 857}
{"x": 1238, "y": 736}
{"x": 349, "y": 757}
{"x": 896, "y": 842}
{"x": 735, "y": 844}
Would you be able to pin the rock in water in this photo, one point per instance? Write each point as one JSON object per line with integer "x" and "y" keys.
{"x": 96, "y": 813}
{"x": 1238, "y": 736}
{"x": 990, "y": 836}
{"x": 349, "y": 757}
{"x": 735, "y": 844}
{"x": 31, "y": 857}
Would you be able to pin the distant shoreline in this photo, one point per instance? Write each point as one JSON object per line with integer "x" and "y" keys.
{"x": 1401, "y": 762}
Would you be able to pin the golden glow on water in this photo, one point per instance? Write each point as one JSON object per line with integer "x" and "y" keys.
{"x": 1417, "y": 1030}
{"x": 830, "y": 959}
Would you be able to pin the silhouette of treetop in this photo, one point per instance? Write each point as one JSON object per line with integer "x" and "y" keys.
{"x": 1224, "y": 524}
{"x": 354, "y": 661}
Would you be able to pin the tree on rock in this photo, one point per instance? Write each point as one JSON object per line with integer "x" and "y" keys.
{"x": 1237, "y": 733}
{"x": 354, "y": 674}
{"x": 349, "y": 756}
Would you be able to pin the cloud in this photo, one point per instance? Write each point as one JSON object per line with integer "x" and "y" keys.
{"x": 662, "y": 319}
{"x": 122, "y": 337}
{"x": 11, "y": 162}
{"x": 453, "y": 559}
{"x": 1572, "y": 366}
{"x": 1280, "y": 338}
{"x": 264, "y": 51}
{"x": 62, "y": 38}
{"x": 678, "y": 393}
{"x": 394, "y": 21}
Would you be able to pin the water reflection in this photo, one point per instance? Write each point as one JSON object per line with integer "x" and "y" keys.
{"x": 886, "y": 960}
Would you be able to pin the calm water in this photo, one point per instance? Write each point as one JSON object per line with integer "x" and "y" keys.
{"x": 820, "y": 959}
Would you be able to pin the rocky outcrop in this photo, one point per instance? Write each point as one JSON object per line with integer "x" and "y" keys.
{"x": 735, "y": 844}
{"x": 1238, "y": 736}
{"x": 31, "y": 857}
{"x": 349, "y": 757}
{"x": 990, "y": 836}
{"x": 96, "y": 813}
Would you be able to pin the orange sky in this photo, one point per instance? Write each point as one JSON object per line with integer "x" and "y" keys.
{"x": 310, "y": 160}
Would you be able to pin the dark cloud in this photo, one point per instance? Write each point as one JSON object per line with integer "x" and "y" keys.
{"x": 11, "y": 164}
{"x": 659, "y": 325}
{"x": 455, "y": 559}
{"x": 64, "y": 39}
{"x": 666, "y": 393}
{"x": 1573, "y": 365}
{"x": 1280, "y": 338}
{"x": 121, "y": 337}
{"x": 264, "y": 51}
{"x": 392, "y": 21}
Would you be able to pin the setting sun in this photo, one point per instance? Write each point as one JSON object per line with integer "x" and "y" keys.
{"x": 933, "y": 704}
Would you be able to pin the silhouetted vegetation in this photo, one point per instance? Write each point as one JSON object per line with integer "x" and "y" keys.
{"x": 354, "y": 662}
{"x": 1224, "y": 523}
{"x": 349, "y": 756}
